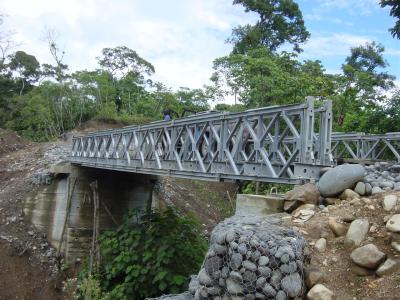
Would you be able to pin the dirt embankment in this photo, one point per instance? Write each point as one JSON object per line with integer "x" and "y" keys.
{"x": 28, "y": 267}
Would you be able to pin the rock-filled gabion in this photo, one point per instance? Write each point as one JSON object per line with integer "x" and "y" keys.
{"x": 382, "y": 176}
{"x": 251, "y": 258}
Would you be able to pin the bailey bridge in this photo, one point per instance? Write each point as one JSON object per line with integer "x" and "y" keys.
{"x": 282, "y": 144}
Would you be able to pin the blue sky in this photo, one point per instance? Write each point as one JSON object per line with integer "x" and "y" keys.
{"x": 181, "y": 38}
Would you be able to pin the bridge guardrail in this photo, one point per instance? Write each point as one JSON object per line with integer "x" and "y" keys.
{"x": 250, "y": 145}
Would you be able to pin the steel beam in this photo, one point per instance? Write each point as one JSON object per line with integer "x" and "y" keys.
{"x": 271, "y": 144}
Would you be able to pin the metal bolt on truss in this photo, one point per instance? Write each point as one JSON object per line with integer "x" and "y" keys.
{"x": 271, "y": 144}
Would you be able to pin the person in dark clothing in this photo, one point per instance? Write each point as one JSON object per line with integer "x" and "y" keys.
{"x": 167, "y": 115}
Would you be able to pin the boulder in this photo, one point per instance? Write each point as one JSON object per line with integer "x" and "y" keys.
{"x": 390, "y": 266}
{"x": 389, "y": 202}
{"x": 357, "y": 232}
{"x": 307, "y": 193}
{"x": 342, "y": 177}
{"x": 349, "y": 194}
{"x": 393, "y": 224}
{"x": 337, "y": 228}
{"x": 368, "y": 256}
{"x": 320, "y": 292}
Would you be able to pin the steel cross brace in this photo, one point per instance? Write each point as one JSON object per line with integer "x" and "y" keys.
{"x": 271, "y": 144}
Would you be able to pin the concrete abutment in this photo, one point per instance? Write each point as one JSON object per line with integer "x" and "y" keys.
{"x": 118, "y": 193}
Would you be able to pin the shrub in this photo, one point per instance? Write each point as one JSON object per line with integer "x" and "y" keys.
{"x": 150, "y": 255}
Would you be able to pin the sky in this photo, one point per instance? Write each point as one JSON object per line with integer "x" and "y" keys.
{"x": 181, "y": 38}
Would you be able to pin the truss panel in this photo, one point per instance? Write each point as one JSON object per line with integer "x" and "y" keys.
{"x": 272, "y": 144}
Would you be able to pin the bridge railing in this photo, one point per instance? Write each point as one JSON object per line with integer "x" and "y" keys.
{"x": 362, "y": 146}
{"x": 274, "y": 144}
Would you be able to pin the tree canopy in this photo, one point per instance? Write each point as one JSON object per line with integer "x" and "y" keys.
{"x": 394, "y": 12}
{"x": 279, "y": 22}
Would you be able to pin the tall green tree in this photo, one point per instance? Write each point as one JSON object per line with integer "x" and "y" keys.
{"x": 262, "y": 78}
{"x": 395, "y": 13}
{"x": 26, "y": 66}
{"x": 122, "y": 60}
{"x": 280, "y": 22}
{"x": 363, "y": 83}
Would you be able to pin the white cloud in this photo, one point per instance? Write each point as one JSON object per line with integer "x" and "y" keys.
{"x": 354, "y": 7}
{"x": 180, "y": 38}
{"x": 333, "y": 44}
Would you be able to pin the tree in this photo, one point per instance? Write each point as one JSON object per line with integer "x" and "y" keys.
{"x": 122, "y": 60}
{"x": 394, "y": 12}
{"x": 262, "y": 78}
{"x": 362, "y": 85}
{"x": 26, "y": 66}
{"x": 280, "y": 21}
{"x": 59, "y": 71}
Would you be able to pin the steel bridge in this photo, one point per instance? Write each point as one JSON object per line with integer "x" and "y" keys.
{"x": 366, "y": 147}
{"x": 285, "y": 144}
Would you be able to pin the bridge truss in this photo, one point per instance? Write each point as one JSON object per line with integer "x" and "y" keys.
{"x": 367, "y": 147}
{"x": 286, "y": 144}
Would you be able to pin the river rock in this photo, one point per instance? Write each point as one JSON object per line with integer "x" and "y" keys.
{"x": 269, "y": 291}
{"x": 368, "y": 189}
{"x": 281, "y": 295}
{"x": 389, "y": 202}
{"x": 233, "y": 287}
{"x": 357, "y": 232}
{"x": 337, "y": 228}
{"x": 360, "y": 271}
{"x": 338, "y": 179}
{"x": 393, "y": 224}
{"x": 376, "y": 190}
{"x": 292, "y": 284}
{"x": 263, "y": 261}
{"x": 320, "y": 245}
{"x": 307, "y": 193}
{"x": 320, "y": 292}
{"x": 396, "y": 246}
{"x": 390, "y": 266}
{"x": 349, "y": 194}
{"x": 368, "y": 256}
{"x": 213, "y": 264}
{"x": 204, "y": 278}
{"x": 236, "y": 261}
{"x": 313, "y": 275}
{"x": 360, "y": 188}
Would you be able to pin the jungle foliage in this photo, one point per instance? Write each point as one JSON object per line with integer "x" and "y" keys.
{"x": 146, "y": 256}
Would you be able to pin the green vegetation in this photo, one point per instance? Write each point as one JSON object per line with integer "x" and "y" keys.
{"x": 146, "y": 256}
{"x": 42, "y": 101}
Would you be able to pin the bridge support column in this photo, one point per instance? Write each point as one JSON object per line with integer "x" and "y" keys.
{"x": 118, "y": 193}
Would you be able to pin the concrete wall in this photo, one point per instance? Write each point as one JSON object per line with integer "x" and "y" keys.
{"x": 118, "y": 191}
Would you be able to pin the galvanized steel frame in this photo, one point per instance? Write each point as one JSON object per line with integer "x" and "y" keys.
{"x": 272, "y": 144}
{"x": 361, "y": 146}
